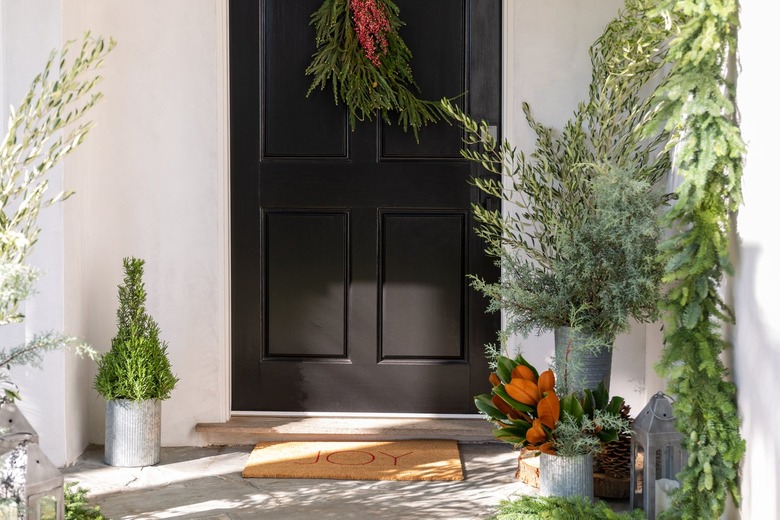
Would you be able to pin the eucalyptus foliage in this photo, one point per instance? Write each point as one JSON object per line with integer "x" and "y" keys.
{"x": 605, "y": 271}
{"x": 137, "y": 366}
{"x": 576, "y": 238}
{"x": 696, "y": 106}
{"x": 47, "y": 125}
{"x": 365, "y": 88}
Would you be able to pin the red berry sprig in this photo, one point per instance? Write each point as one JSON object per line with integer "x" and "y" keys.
{"x": 371, "y": 26}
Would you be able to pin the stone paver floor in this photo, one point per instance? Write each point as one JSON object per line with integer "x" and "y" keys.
{"x": 193, "y": 482}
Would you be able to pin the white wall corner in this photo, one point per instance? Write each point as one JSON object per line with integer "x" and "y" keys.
{"x": 30, "y": 31}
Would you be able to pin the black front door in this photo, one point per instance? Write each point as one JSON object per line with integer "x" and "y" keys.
{"x": 350, "y": 249}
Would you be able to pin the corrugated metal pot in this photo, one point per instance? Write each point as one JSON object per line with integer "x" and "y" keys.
{"x": 132, "y": 432}
{"x": 584, "y": 368}
{"x": 566, "y": 476}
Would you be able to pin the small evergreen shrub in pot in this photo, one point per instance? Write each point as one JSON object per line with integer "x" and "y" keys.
{"x": 134, "y": 376}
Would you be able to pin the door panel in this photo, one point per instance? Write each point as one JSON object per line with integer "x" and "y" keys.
{"x": 298, "y": 126}
{"x": 351, "y": 247}
{"x": 306, "y": 279}
{"x": 423, "y": 286}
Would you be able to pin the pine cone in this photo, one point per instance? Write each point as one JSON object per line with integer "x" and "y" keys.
{"x": 615, "y": 459}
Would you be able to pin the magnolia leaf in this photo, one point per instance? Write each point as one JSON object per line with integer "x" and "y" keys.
{"x": 508, "y": 435}
{"x": 485, "y": 405}
{"x": 571, "y": 406}
{"x": 523, "y": 391}
{"x": 600, "y": 396}
{"x": 504, "y": 407}
{"x": 549, "y": 410}
{"x": 608, "y": 435}
{"x": 520, "y": 360}
{"x": 523, "y": 372}
{"x": 504, "y": 368}
{"x": 536, "y": 434}
{"x": 546, "y": 382}
{"x": 588, "y": 403}
{"x": 615, "y": 405}
{"x": 501, "y": 392}
{"x": 548, "y": 448}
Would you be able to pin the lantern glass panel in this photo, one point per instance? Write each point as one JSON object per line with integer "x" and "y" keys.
{"x": 47, "y": 508}
{"x": 639, "y": 466}
{"x": 9, "y": 510}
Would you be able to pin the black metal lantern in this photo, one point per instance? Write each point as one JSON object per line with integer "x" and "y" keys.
{"x": 656, "y": 446}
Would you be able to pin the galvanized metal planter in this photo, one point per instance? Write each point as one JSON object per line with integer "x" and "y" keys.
{"x": 566, "y": 476}
{"x": 132, "y": 432}
{"x": 584, "y": 368}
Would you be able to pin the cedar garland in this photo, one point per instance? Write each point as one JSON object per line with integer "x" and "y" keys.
{"x": 360, "y": 52}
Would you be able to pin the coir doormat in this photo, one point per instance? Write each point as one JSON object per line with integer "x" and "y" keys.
{"x": 391, "y": 460}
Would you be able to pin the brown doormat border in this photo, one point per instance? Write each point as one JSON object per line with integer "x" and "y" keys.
{"x": 373, "y": 460}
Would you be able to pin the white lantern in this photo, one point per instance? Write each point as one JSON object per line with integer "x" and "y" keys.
{"x": 12, "y": 421}
{"x": 31, "y": 487}
{"x": 657, "y": 439}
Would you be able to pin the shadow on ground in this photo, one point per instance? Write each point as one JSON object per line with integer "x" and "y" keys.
{"x": 207, "y": 483}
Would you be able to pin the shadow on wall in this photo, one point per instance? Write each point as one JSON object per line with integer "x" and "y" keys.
{"x": 756, "y": 364}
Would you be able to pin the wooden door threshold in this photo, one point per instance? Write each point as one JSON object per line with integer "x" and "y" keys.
{"x": 247, "y": 430}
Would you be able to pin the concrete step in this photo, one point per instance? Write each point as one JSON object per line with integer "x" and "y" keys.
{"x": 245, "y": 430}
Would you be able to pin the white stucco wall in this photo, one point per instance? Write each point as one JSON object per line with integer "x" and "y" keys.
{"x": 52, "y": 397}
{"x": 153, "y": 185}
{"x": 546, "y": 64}
{"x": 151, "y": 182}
{"x": 757, "y": 284}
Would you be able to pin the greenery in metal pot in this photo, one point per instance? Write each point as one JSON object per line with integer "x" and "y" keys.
{"x": 137, "y": 366}
{"x": 527, "y": 411}
{"x": 577, "y": 235}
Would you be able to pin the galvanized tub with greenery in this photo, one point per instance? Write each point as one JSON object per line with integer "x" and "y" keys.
{"x": 134, "y": 376}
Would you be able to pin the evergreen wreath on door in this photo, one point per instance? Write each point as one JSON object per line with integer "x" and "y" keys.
{"x": 361, "y": 53}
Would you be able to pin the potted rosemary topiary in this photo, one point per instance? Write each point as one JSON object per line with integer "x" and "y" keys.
{"x": 134, "y": 376}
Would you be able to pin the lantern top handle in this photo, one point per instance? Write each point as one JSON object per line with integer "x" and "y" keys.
{"x": 18, "y": 437}
{"x": 661, "y": 395}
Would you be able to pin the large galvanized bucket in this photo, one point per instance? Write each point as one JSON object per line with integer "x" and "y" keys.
{"x": 566, "y": 476}
{"x": 132, "y": 433}
{"x": 581, "y": 360}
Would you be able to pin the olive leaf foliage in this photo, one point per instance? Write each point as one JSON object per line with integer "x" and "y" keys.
{"x": 44, "y": 128}
{"x": 573, "y": 191}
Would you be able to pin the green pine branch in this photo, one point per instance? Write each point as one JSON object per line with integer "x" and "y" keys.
{"x": 365, "y": 89}
{"x": 696, "y": 106}
{"x": 137, "y": 366}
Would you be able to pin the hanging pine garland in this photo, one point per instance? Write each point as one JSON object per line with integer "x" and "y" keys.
{"x": 696, "y": 105}
{"x": 361, "y": 53}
